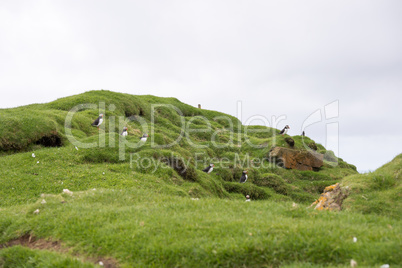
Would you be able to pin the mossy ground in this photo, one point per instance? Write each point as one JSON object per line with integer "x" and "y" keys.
{"x": 157, "y": 213}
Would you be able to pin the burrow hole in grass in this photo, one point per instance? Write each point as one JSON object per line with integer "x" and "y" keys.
{"x": 52, "y": 140}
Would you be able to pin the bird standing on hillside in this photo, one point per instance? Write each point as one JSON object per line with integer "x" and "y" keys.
{"x": 209, "y": 168}
{"x": 124, "y": 133}
{"x": 144, "y": 137}
{"x": 303, "y": 133}
{"x": 243, "y": 178}
{"x": 284, "y": 130}
{"x": 98, "y": 121}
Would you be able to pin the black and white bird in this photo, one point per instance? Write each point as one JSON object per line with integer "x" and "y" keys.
{"x": 144, "y": 137}
{"x": 124, "y": 133}
{"x": 243, "y": 178}
{"x": 303, "y": 133}
{"x": 209, "y": 168}
{"x": 98, "y": 121}
{"x": 284, "y": 130}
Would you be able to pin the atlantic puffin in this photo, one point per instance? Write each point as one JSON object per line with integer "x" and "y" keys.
{"x": 209, "y": 168}
{"x": 243, "y": 178}
{"x": 124, "y": 133}
{"x": 284, "y": 130}
{"x": 144, "y": 137}
{"x": 98, "y": 121}
{"x": 303, "y": 133}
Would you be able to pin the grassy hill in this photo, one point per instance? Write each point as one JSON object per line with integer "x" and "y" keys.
{"x": 150, "y": 204}
{"x": 378, "y": 192}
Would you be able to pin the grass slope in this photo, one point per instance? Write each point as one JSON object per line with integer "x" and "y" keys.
{"x": 143, "y": 228}
{"x": 378, "y": 192}
{"x": 191, "y": 137}
{"x": 159, "y": 214}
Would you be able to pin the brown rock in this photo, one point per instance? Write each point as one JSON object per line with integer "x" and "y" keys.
{"x": 294, "y": 159}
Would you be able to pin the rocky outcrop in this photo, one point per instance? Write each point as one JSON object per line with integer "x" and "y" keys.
{"x": 295, "y": 159}
{"x": 332, "y": 198}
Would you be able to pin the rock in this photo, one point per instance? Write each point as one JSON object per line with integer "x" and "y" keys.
{"x": 331, "y": 199}
{"x": 294, "y": 159}
{"x": 290, "y": 141}
{"x": 313, "y": 146}
{"x": 353, "y": 263}
{"x": 67, "y": 191}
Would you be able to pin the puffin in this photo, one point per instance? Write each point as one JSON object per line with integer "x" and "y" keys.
{"x": 124, "y": 133}
{"x": 144, "y": 137}
{"x": 209, "y": 168}
{"x": 243, "y": 178}
{"x": 303, "y": 133}
{"x": 284, "y": 130}
{"x": 98, "y": 121}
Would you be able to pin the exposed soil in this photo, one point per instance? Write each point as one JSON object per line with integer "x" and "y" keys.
{"x": 43, "y": 244}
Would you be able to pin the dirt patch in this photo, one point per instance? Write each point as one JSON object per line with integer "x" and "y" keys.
{"x": 43, "y": 244}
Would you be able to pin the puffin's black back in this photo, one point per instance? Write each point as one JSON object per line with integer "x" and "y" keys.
{"x": 96, "y": 122}
{"x": 243, "y": 178}
{"x": 206, "y": 169}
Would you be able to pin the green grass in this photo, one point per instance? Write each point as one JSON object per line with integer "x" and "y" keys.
{"x": 19, "y": 256}
{"x": 379, "y": 192}
{"x": 148, "y": 228}
{"x": 170, "y": 213}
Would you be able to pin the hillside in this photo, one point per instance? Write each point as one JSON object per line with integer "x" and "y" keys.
{"x": 378, "y": 192}
{"x": 150, "y": 204}
{"x": 181, "y": 134}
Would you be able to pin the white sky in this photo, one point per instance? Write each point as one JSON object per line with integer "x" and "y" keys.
{"x": 278, "y": 58}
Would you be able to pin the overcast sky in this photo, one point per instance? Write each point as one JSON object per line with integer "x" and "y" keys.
{"x": 278, "y": 58}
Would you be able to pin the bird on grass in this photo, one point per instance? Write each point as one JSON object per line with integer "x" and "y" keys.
{"x": 124, "y": 133}
{"x": 144, "y": 137}
{"x": 303, "y": 133}
{"x": 209, "y": 168}
{"x": 243, "y": 178}
{"x": 284, "y": 130}
{"x": 98, "y": 121}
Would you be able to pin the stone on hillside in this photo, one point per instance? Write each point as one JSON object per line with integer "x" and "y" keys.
{"x": 290, "y": 141}
{"x": 313, "y": 146}
{"x": 295, "y": 159}
{"x": 67, "y": 191}
{"x": 332, "y": 198}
